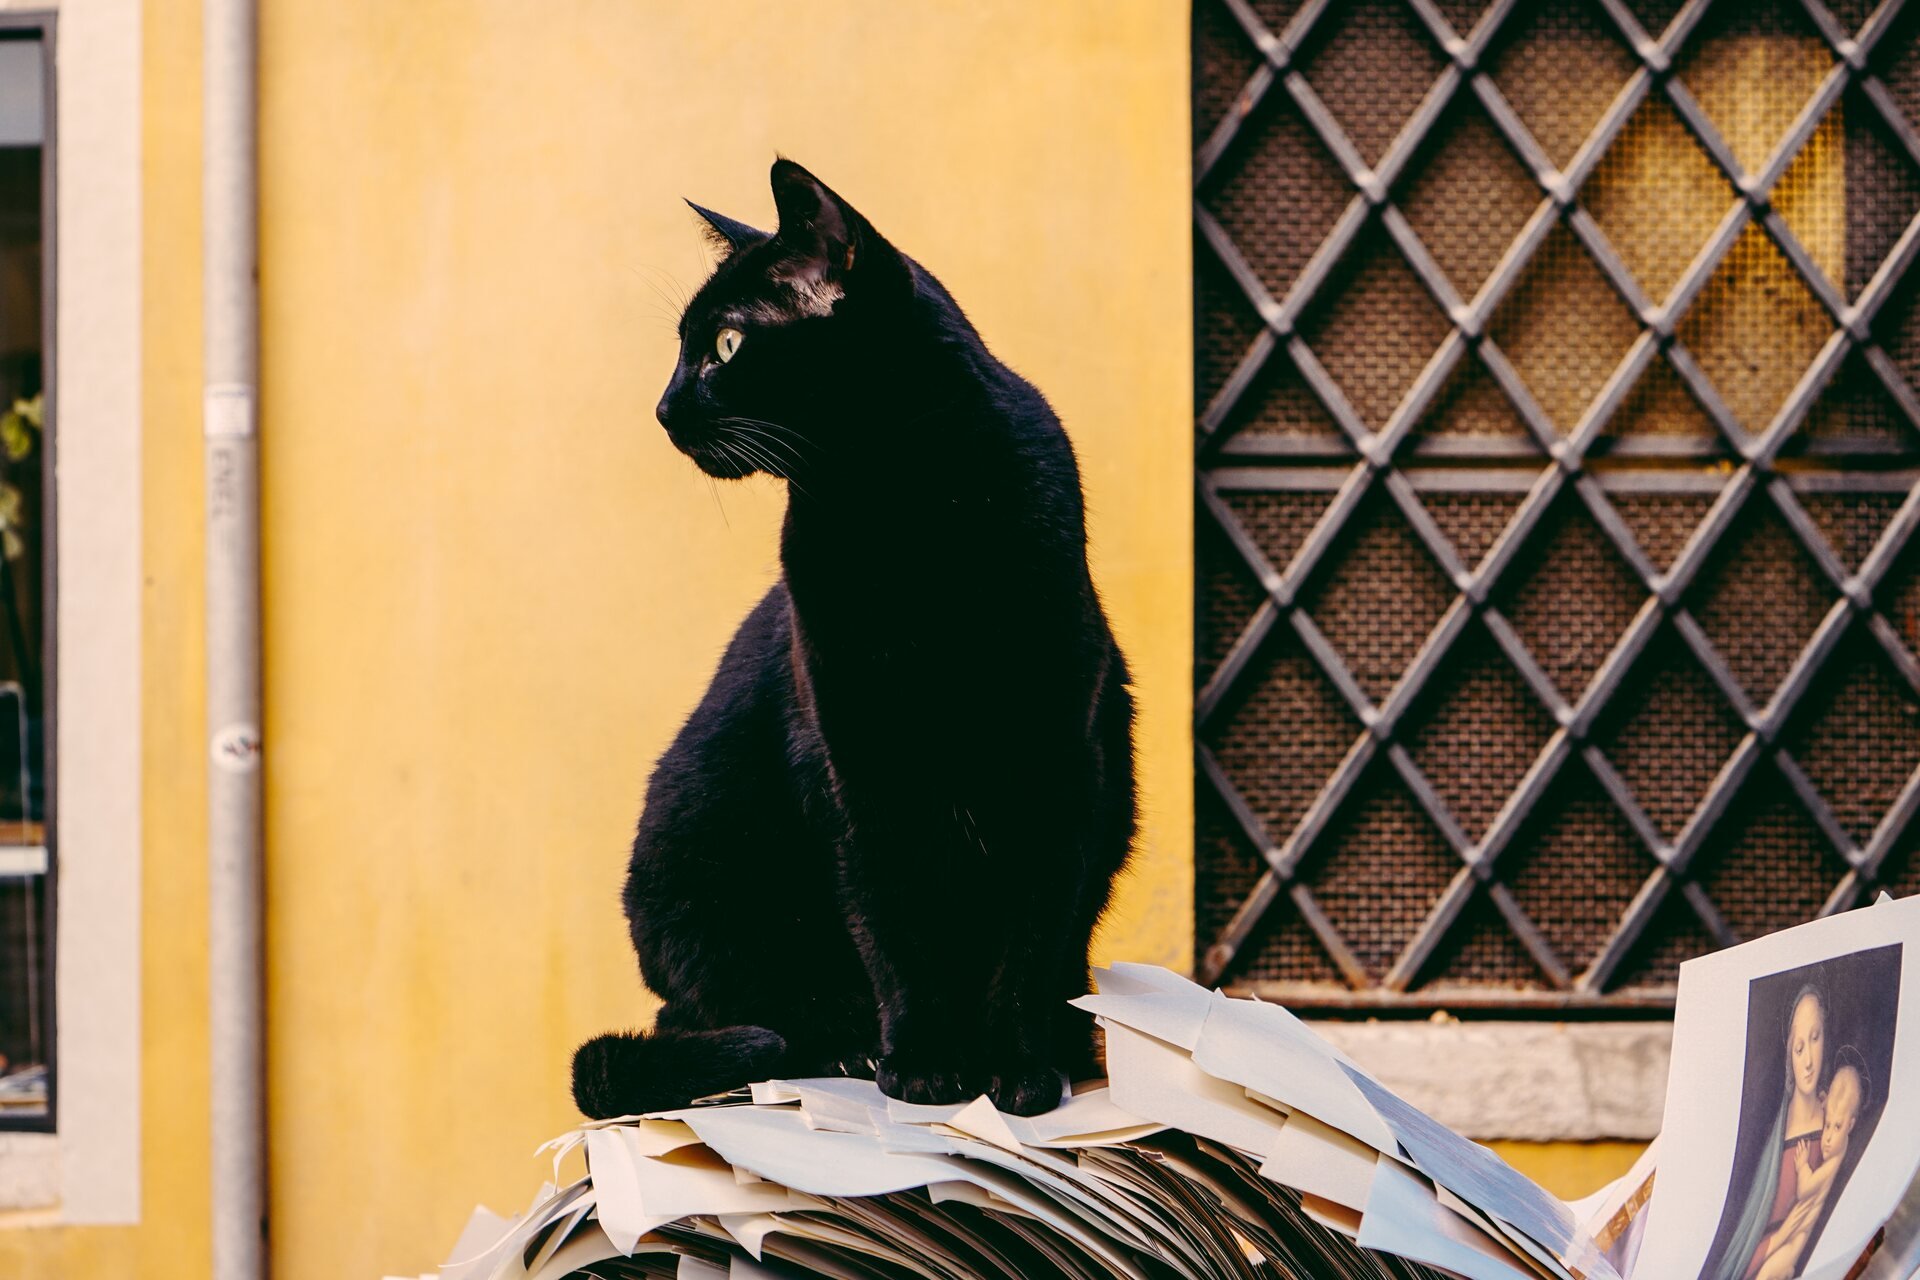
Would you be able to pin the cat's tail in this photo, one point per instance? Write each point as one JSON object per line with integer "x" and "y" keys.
{"x": 628, "y": 1073}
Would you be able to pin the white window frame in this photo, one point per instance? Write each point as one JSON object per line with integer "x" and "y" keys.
{"x": 88, "y": 1170}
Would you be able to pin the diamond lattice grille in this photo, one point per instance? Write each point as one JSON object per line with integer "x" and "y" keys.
{"x": 1558, "y": 453}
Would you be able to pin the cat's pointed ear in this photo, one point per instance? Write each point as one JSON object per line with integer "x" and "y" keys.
{"x": 725, "y": 234}
{"x": 828, "y": 244}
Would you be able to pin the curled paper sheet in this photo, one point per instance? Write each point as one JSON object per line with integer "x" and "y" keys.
{"x": 1171, "y": 1166}
{"x": 1231, "y": 1140}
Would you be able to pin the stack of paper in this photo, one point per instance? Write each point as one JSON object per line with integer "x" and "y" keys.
{"x": 1230, "y": 1140}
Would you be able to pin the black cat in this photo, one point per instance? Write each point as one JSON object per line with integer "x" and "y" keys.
{"x": 883, "y": 838}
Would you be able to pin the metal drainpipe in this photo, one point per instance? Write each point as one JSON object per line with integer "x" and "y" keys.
{"x": 236, "y": 1004}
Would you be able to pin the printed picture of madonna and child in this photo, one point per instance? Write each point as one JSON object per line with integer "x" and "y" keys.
{"x": 1819, "y": 1050}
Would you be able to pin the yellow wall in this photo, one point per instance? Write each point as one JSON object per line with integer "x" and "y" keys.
{"x": 492, "y": 588}
{"x": 1570, "y": 1170}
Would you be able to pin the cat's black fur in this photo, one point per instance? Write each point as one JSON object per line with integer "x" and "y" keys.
{"x": 888, "y": 829}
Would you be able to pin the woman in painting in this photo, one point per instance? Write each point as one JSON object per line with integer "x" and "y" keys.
{"x": 1793, "y": 1141}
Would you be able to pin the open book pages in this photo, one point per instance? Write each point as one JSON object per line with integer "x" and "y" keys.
{"x": 1231, "y": 1140}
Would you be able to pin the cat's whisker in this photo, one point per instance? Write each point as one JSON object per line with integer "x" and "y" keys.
{"x": 788, "y": 441}
{"x": 728, "y": 452}
{"x": 790, "y": 471}
{"x": 773, "y": 441}
{"x": 776, "y": 429}
{"x": 742, "y": 452}
{"x": 743, "y": 455}
{"x": 783, "y": 453}
{"x": 667, "y": 285}
{"x": 770, "y": 463}
{"x": 672, "y": 294}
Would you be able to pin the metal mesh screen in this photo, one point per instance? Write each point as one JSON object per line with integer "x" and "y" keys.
{"x": 1557, "y": 443}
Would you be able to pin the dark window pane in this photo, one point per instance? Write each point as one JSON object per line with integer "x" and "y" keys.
{"x": 25, "y": 936}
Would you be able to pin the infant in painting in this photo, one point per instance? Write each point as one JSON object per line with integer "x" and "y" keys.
{"x": 1812, "y": 1185}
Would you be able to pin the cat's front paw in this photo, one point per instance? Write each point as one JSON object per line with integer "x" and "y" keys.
{"x": 930, "y": 1083}
{"x": 1026, "y": 1087}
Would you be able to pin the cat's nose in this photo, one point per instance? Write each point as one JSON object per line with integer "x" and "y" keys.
{"x": 671, "y": 398}
{"x": 672, "y": 409}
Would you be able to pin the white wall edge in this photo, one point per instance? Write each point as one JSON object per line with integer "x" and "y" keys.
{"x": 95, "y": 1160}
{"x": 1528, "y": 1081}
{"x": 29, "y": 1171}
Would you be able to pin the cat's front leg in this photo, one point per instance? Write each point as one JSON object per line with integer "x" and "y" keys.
{"x": 933, "y": 1019}
{"x": 1019, "y": 1078}
{"x": 965, "y": 945}
{"x": 1027, "y": 1006}
{"x": 982, "y": 1050}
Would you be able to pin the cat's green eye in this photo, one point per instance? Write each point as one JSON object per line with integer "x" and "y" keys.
{"x": 727, "y": 343}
